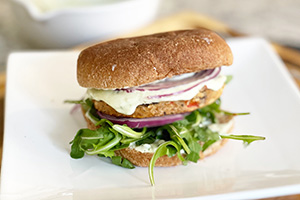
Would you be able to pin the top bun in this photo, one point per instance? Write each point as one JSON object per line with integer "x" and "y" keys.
{"x": 140, "y": 60}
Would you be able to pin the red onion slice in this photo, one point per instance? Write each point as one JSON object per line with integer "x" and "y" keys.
{"x": 168, "y": 83}
{"x": 143, "y": 122}
{"x": 214, "y": 73}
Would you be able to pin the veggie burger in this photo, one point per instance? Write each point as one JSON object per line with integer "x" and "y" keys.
{"x": 155, "y": 100}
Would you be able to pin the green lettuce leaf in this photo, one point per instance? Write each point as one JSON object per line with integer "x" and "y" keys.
{"x": 123, "y": 162}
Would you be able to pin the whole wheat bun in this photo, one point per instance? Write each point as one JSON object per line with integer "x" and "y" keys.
{"x": 140, "y": 60}
{"x": 143, "y": 159}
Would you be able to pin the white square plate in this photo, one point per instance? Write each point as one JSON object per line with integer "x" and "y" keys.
{"x": 38, "y": 129}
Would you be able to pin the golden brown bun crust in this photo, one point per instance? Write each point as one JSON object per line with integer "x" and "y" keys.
{"x": 135, "y": 61}
{"x": 143, "y": 159}
{"x": 202, "y": 99}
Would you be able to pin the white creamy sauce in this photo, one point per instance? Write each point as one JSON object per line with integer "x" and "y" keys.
{"x": 147, "y": 148}
{"x": 151, "y": 148}
{"x": 126, "y": 102}
{"x": 222, "y": 129}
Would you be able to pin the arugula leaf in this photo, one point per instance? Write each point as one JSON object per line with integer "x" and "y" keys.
{"x": 86, "y": 103}
{"x": 88, "y": 107}
{"x": 74, "y": 101}
{"x": 228, "y": 79}
{"x": 102, "y": 122}
{"x": 234, "y": 114}
{"x": 192, "y": 143}
{"x": 204, "y": 134}
{"x": 190, "y": 134}
{"x": 214, "y": 106}
{"x": 76, "y": 151}
{"x": 208, "y": 143}
{"x": 99, "y": 137}
{"x": 129, "y": 132}
{"x": 176, "y": 135}
{"x": 246, "y": 138}
{"x": 210, "y": 110}
{"x": 86, "y": 139}
{"x": 182, "y": 123}
{"x": 208, "y": 115}
{"x": 193, "y": 156}
{"x": 91, "y": 112}
{"x": 147, "y": 138}
{"x": 161, "y": 151}
{"x": 102, "y": 148}
{"x": 109, "y": 154}
{"x": 117, "y": 160}
{"x": 171, "y": 151}
{"x": 119, "y": 146}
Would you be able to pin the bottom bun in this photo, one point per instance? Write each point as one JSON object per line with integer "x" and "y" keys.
{"x": 143, "y": 159}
